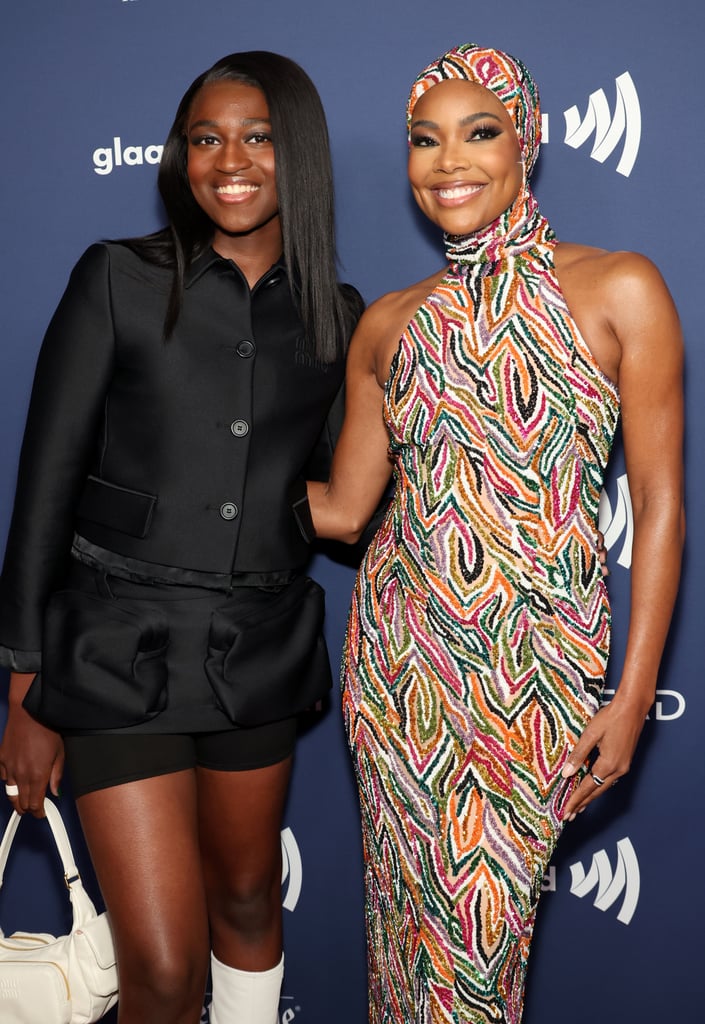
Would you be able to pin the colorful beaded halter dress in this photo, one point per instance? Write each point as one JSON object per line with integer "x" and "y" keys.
{"x": 479, "y": 630}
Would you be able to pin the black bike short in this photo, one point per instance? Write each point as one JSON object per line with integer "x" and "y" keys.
{"x": 96, "y": 761}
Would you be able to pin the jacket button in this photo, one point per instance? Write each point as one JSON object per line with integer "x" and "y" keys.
{"x": 239, "y": 428}
{"x": 228, "y": 510}
{"x": 245, "y": 348}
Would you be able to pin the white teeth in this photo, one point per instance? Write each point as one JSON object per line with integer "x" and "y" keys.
{"x": 236, "y": 190}
{"x": 458, "y": 193}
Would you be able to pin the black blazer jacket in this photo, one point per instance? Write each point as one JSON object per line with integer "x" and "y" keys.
{"x": 189, "y": 454}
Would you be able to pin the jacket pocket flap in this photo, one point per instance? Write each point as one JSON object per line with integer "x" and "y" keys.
{"x": 118, "y": 508}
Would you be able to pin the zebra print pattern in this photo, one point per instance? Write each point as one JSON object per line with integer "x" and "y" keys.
{"x": 479, "y": 630}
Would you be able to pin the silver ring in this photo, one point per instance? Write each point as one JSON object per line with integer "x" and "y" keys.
{"x": 597, "y": 780}
{"x": 12, "y": 790}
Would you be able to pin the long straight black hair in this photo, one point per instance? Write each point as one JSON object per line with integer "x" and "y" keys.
{"x": 304, "y": 180}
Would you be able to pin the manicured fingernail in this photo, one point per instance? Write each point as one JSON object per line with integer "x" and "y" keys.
{"x": 571, "y": 817}
{"x": 567, "y": 770}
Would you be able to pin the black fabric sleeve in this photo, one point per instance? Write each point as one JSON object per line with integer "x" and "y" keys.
{"x": 62, "y": 433}
{"x": 319, "y": 463}
{"x": 318, "y": 468}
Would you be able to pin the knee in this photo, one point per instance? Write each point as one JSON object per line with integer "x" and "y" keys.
{"x": 174, "y": 982}
{"x": 248, "y": 906}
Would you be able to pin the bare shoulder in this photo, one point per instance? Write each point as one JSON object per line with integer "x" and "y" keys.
{"x": 377, "y": 336}
{"x": 619, "y": 301}
{"x": 393, "y": 307}
{"x": 606, "y": 275}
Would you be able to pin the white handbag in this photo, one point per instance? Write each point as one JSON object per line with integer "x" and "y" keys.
{"x": 67, "y": 980}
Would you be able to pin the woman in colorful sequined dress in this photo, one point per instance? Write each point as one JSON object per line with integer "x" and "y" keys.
{"x": 479, "y": 632}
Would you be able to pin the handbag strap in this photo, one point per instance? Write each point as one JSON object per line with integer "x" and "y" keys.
{"x": 83, "y": 908}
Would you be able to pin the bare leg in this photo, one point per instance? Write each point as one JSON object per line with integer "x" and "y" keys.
{"x": 240, "y": 817}
{"x": 240, "y": 821}
{"x": 143, "y": 840}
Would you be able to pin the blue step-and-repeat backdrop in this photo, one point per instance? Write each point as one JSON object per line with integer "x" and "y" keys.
{"x": 89, "y": 90}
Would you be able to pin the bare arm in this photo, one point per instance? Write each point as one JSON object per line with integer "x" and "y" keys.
{"x": 342, "y": 507}
{"x": 645, "y": 324}
{"x": 30, "y": 754}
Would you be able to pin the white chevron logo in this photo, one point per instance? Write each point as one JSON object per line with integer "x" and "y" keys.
{"x": 620, "y": 521}
{"x": 292, "y": 870}
{"x": 608, "y": 128}
{"x": 610, "y": 884}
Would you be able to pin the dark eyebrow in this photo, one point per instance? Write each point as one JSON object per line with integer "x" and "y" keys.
{"x": 246, "y": 122}
{"x": 470, "y": 119}
{"x": 479, "y": 117}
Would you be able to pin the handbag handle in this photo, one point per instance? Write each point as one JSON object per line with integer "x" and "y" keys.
{"x": 83, "y": 908}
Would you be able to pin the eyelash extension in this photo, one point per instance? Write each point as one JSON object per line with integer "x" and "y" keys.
{"x": 479, "y": 133}
{"x": 487, "y": 131}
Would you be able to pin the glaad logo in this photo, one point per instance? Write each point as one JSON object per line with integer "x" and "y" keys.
{"x": 106, "y": 158}
{"x": 608, "y": 128}
{"x": 292, "y": 870}
{"x": 288, "y": 1013}
{"x": 621, "y": 521}
{"x": 610, "y": 885}
{"x": 668, "y": 706}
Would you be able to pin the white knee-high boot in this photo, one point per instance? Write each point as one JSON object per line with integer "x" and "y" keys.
{"x": 245, "y": 997}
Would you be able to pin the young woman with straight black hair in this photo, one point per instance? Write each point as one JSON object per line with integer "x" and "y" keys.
{"x": 187, "y": 386}
{"x": 304, "y": 191}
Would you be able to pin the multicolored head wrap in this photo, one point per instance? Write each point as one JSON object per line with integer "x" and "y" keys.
{"x": 507, "y": 77}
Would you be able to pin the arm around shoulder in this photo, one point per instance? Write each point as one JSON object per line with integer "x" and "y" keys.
{"x": 360, "y": 471}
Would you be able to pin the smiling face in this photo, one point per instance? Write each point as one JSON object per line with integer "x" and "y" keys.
{"x": 231, "y": 166}
{"x": 464, "y": 158}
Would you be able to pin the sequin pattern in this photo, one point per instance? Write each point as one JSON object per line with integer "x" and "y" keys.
{"x": 479, "y": 631}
